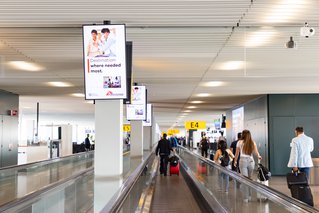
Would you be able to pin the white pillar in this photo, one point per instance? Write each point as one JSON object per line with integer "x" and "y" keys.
{"x": 108, "y": 160}
{"x": 147, "y": 138}
{"x": 136, "y": 138}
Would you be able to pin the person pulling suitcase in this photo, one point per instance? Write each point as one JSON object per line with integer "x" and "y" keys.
{"x": 164, "y": 149}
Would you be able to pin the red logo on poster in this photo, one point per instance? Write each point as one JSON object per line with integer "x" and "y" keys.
{"x": 109, "y": 93}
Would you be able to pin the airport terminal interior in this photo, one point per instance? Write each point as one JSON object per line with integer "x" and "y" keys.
{"x": 88, "y": 89}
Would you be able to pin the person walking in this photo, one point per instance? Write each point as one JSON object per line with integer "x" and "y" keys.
{"x": 87, "y": 143}
{"x": 164, "y": 149}
{"x": 300, "y": 154}
{"x": 233, "y": 149}
{"x": 204, "y": 146}
{"x": 223, "y": 157}
{"x": 246, "y": 147}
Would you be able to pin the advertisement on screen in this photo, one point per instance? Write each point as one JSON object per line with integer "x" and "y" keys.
{"x": 135, "y": 112}
{"x": 148, "y": 121}
{"x": 104, "y": 61}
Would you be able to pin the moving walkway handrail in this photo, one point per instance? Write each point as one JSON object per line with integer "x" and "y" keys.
{"x": 282, "y": 198}
{"x": 44, "y": 162}
{"x": 34, "y": 196}
{"x": 114, "y": 205}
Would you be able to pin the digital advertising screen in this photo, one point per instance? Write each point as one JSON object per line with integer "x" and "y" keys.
{"x": 238, "y": 121}
{"x": 104, "y": 54}
{"x": 149, "y": 112}
{"x": 135, "y": 112}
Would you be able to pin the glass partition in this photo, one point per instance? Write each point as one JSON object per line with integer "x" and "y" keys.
{"x": 236, "y": 193}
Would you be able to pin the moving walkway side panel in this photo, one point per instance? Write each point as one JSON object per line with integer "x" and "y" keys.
{"x": 211, "y": 179}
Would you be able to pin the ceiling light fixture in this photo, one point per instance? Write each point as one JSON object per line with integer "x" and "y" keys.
{"x": 203, "y": 95}
{"x": 259, "y": 38}
{"x": 26, "y": 66}
{"x": 59, "y": 84}
{"x": 232, "y": 65}
{"x": 79, "y": 95}
{"x": 187, "y": 111}
{"x": 197, "y": 102}
{"x": 191, "y": 107}
{"x": 284, "y": 10}
{"x": 213, "y": 84}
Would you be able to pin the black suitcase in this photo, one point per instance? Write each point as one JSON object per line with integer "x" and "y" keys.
{"x": 299, "y": 187}
{"x": 302, "y": 193}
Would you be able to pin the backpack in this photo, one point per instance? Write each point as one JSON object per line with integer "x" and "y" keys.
{"x": 173, "y": 160}
{"x": 263, "y": 173}
{"x": 224, "y": 159}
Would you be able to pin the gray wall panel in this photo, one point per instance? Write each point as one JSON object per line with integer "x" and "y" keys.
{"x": 280, "y": 135}
{"x": 281, "y": 105}
{"x": 285, "y": 113}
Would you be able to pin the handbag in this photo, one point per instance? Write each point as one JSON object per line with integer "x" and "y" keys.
{"x": 297, "y": 178}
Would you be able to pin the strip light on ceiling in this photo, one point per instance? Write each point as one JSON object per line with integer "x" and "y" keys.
{"x": 27, "y": 66}
{"x": 59, "y": 84}
{"x": 232, "y": 65}
{"x": 259, "y": 38}
{"x": 284, "y": 11}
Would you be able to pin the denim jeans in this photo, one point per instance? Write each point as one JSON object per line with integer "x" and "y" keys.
{"x": 305, "y": 170}
{"x": 246, "y": 166}
{"x": 223, "y": 181}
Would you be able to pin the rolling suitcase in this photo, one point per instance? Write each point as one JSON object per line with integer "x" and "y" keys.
{"x": 174, "y": 165}
{"x": 299, "y": 187}
{"x": 174, "y": 170}
{"x": 202, "y": 168}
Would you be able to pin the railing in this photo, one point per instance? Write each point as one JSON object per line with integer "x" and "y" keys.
{"x": 130, "y": 194}
{"x": 211, "y": 179}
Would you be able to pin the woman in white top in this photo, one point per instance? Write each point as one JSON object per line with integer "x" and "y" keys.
{"x": 246, "y": 147}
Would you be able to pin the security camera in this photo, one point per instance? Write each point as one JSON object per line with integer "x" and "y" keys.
{"x": 307, "y": 31}
{"x": 291, "y": 43}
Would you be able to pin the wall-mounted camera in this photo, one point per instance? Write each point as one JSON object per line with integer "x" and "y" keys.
{"x": 307, "y": 31}
{"x": 291, "y": 43}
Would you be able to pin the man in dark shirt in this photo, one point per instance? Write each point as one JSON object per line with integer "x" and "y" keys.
{"x": 233, "y": 147}
{"x": 164, "y": 148}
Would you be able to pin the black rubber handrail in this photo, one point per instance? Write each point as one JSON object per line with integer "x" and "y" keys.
{"x": 45, "y": 162}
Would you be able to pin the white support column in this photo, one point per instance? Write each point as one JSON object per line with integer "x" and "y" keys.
{"x": 147, "y": 138}
{"x": 108, "y": 160}
{"x": 136, "y": 138}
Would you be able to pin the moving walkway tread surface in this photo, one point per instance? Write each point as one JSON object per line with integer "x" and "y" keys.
{"x": 172, "y": 194}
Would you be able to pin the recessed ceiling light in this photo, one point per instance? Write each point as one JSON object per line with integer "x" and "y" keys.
{"x": 232, "y": 65}
{"x": 284, "y": 10}
{"x": 191, "y": 107}
{"x": 80, "y": 95}
{"x": 59, "y": 84}
{"x": 213, "y": 84}
{"x": 197, "y": 102}
{"x": 187, "y": 111}
{"x": 27, "y": 66}
{"x": 203, "y": 95}
{"x": 89, "y": 102}
{"x": 259, "y": 38}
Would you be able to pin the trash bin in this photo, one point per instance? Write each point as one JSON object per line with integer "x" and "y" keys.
{"x": 314, "y": 172}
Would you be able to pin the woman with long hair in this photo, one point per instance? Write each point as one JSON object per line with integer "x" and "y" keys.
{"x": 223, "y": 156}
{"x": 246, "y": 147}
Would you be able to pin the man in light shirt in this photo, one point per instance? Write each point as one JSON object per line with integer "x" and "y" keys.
{"x": 300, "y": 154}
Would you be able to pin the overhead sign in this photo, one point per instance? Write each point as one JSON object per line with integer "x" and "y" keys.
{"x": 195, "y": 125}
{"x": 126, "y": 128}
{"x": 104, "y": 61}
{"x": 173, "y": 131}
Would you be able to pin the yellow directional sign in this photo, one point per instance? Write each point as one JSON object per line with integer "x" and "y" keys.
{"x": 172, "y": 131}
{"x": 126, "y": 128}
{"x": 195, "y": 125}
